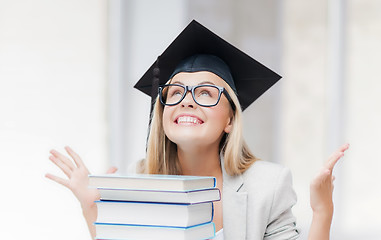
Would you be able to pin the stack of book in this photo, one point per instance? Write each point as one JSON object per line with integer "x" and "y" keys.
{"x": 155, "y": 206}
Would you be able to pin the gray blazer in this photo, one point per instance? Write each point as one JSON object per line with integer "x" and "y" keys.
{"x": 257, "y": 204}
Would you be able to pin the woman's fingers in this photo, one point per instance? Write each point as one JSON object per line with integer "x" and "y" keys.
{"x": 59, "y": 180}
{"x": 112, "y": 170}
{"x": 332, "y": 160}
{"x": 341, "y": 149}
{"x": 61, "y": 165}
{"x": 75, "y": 156}
{"x": 344, "y": 147}
{"x": 63, "y": 158}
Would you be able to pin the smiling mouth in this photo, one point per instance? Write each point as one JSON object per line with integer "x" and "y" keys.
{"x": 187, "y": 120}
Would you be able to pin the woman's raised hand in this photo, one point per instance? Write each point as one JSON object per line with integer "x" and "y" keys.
{"x": 77, "y": 181}
{"x": 321, "y": 190}
{"x": 321, "y": 187}
{"x": 77, "y": 176}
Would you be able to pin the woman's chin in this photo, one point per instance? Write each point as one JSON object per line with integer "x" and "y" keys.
{"x": 186, "y": 139}
{"x": 192, "y": 136}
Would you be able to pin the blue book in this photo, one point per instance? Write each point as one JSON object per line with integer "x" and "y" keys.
{"x": 129, "y": 232}
{"x": 152, "y": 182}
{"x": 137, "y": 195}
{"x": 156, "y": 214}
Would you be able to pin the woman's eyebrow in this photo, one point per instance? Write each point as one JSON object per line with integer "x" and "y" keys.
{"x": 177, "y": 82}
{"x": 206, "y": 82}
{"x": 200, "y": 83}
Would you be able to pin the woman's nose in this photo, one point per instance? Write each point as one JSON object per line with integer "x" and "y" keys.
{"x": 188, "y": 101}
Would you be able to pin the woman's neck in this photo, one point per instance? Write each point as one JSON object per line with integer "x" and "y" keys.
{"x": 200, "y": 162}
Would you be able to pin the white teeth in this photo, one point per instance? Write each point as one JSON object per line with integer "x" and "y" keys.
{"x": 187, "y": 119}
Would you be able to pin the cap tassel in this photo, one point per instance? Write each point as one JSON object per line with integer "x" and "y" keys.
{"x": 155, "y": 84}
{"x": 154, "y": 92}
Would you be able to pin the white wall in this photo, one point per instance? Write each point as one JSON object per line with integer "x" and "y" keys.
{"x": 52, "y": 94}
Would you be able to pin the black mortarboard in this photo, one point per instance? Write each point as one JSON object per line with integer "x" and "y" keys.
{"x": 251, "y": 78}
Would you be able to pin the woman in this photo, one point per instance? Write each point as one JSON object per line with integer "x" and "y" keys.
{"x": 196, "y": 130}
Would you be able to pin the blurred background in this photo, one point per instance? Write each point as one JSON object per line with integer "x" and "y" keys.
{"x": 67, "y": 70}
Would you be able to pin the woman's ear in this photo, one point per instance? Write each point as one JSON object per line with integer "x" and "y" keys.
{"x": 229, "y": 125}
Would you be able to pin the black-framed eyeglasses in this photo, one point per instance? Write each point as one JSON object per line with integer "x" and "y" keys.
{"x": 204, "y": 95}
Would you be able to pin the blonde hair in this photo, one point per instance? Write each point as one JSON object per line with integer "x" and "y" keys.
{"x": 162, "y": 158}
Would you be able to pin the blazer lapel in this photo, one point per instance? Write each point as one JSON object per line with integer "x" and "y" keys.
{"x": 234, "y": 207}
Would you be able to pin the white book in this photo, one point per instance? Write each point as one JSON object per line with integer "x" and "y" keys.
{"x": 190, "y": 197}
{"x": 157, "y": 214}
{"x": 129, "y": 232}
{"x": 152, "y": 182}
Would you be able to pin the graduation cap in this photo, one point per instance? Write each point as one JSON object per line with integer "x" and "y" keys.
{"x": 250, "y": 79}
